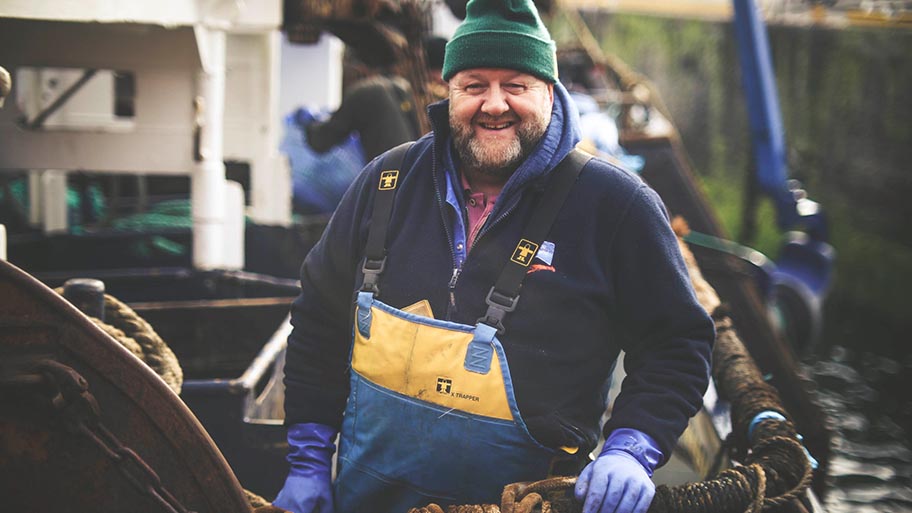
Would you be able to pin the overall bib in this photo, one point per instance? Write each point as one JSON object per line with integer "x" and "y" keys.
{"x": 431, "y": 415}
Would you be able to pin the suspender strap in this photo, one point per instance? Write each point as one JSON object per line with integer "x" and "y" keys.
{"x": 375, "y": 252}
{"x": 504, "y": 295}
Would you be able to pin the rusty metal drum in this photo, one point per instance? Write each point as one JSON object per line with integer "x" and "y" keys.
{"x": 86, "y": 426}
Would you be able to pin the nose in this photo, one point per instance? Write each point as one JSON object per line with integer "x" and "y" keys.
{"x": 495, "y": 102}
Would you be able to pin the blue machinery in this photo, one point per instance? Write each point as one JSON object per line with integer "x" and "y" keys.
{"x": 799, "y": 279}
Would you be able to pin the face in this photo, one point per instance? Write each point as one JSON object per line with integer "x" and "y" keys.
{"x": 497, "y": 116}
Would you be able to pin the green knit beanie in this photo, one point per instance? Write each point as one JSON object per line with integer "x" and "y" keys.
{"x": 502, "y": 34}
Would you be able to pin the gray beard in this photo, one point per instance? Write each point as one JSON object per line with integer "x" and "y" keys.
{"x": 499, "y": 163}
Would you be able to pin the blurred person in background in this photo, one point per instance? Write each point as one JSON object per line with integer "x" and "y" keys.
{"x": 380, "y": 107}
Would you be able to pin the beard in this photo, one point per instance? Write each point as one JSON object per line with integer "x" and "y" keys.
{"x": 499, "y": 159}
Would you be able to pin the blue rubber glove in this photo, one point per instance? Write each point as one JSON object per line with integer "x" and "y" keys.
{"x": 308, "y": 487}
{"x": 618, "y": 481}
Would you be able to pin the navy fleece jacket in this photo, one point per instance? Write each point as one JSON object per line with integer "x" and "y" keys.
{"x": 616, "y": 281}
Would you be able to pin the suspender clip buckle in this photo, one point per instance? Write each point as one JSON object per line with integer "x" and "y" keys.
{"x": 499, "y": 305}
{"x": 372, "y": 269}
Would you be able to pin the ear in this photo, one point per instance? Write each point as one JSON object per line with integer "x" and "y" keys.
{"x": 551, "y": 93}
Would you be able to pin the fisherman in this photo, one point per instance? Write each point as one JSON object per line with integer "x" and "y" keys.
{"x": 466, "y": 304}
{"x": 380, "y": 107}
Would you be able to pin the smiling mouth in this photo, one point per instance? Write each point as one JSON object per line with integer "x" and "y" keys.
{"x": 496, "y": 126}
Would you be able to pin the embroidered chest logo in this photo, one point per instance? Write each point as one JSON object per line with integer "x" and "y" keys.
{"x": 388, "y": 179}
{"x": 524, "y": 252}
{"x": 444, "y": 385}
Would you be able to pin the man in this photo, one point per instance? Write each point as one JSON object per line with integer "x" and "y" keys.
{"x": 379, "y": 107}
{"x": 453, "y": 388}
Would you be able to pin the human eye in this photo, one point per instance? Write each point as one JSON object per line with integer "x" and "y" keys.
{"x": 474, "y": 87}
{"x": 515, "y": 87}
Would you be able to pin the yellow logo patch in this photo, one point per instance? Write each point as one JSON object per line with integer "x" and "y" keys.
{"x": 524, "y": 252}
{"x": 388, "y": 179}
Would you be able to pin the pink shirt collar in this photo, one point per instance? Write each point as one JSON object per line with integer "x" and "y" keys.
{"x": 478, "y": 207}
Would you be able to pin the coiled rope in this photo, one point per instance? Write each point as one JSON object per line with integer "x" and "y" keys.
{"x": 775, "y": 469}
{"x": 137, "y": 336}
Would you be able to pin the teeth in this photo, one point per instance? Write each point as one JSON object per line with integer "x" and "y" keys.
{"x": 495, "y": 127}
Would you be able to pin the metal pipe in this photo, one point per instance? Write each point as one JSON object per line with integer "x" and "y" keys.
{"x": 208, "y": 178}
{"x": 87, "y": 295}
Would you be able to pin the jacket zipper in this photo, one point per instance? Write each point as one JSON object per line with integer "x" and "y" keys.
{"x": 451, "y": 307}
{"x": 484, "y": 229}
{"x": 488, "y": 226}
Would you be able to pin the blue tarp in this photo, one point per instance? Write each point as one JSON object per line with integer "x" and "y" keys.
{"x": 318, "y": 179}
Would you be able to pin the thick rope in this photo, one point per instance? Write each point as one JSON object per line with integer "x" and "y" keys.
{"x": 137, "y": 336}
{"x": 760, "y": 494}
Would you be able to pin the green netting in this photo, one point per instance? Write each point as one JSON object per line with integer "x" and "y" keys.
{"x": 165, "y": 214}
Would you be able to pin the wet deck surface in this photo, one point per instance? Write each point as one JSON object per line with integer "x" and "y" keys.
{"x": 871, "y": 462}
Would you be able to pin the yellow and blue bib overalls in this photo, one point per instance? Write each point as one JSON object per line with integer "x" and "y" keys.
{"x": 431, "y": 415}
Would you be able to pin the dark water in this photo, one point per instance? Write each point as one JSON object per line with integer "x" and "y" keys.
{"x": 868, "y": 399}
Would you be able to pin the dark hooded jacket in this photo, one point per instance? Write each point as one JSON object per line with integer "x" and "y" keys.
{"x": 616, "y": 281}
{"x": 379, "y": 108}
